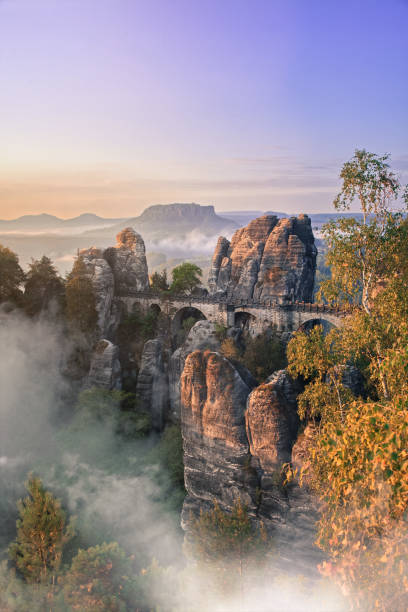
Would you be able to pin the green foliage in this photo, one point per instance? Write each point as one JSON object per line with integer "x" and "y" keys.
{"x": 220, "y": 331}
{"x": 100, "y": 579}
{"x": 318, "y": 357}
{"x": 227, "y": 542}
{"x": 139, "y": 324}
{"x": 41, "y": 534}
{"x": 188, "y": 324}
{"x": 263, "y": 355}
{"x": 361, "y": 253}
{"x": 80, "y": 298}
{"x": 43, "y": 287}
{"x": 170, "y": 453}
{"x": 186, "y": 278}
{"x": 116, "y": 411}
{"x": 11, "y": 276}
{"x": 159, "y": 282}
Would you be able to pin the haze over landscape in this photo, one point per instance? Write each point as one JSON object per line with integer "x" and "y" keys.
{"x": 240, "y": 105}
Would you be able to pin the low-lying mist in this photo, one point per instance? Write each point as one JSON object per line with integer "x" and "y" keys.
{"x": 114, "y": 487}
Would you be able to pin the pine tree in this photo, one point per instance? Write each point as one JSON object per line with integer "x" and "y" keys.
{"x": 42, "y": 286}
{"x": 41, "y": 534}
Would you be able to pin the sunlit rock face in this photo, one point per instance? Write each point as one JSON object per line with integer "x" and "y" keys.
{"x": 235, "y": 445}
{"x": 269, "y": 258}
{"x": 216, "y": 450}
{"x": 105, "y": 371}
{"x": 128, "y": 262}
{"x": 201, "y": 336}
{"x": 152, "y": 389}
{"x": 272, "y": 421}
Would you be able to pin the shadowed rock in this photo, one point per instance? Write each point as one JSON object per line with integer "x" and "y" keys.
{"x": 152, "y": 383}
{"x": 105, "y": 371}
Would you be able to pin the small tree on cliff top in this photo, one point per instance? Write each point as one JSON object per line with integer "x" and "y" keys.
{"x": 186, "y": 278}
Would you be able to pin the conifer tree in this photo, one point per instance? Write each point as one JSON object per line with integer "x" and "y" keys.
{"x": 41, "y": 534}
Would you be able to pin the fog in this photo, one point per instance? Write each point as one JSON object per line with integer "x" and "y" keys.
{"x": 112, "y": 489}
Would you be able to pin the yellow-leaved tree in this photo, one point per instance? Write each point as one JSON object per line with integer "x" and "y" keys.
{"x": 357, "y": 459}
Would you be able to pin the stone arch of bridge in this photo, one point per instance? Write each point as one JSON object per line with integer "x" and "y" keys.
{"x": 243, "y": 319}
{"x": 181, "y": 322}
{"x": 155, "y": 308}
{"x": 309, "y": 324}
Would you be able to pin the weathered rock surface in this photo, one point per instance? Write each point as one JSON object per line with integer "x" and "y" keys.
{"x": 269, "y": 258}
{"x": 101, "y": 276}
{"x": 272, "y": 421}
{"x": 128, "y": 262}
{"x": 105, "y": 371}
{"x": 152, "y": 388}
{"x": 201, "y": 336}
{"x": 226, "y": 459}
{"x": 216, "y": 450}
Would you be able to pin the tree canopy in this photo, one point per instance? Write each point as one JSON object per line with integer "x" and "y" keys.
{"x": 42, "y": 533}
{"x": 357, "y": 460}
{"x": 80, "y": 298}
{"x": 186, "y": 278}
{"x": 43, "y": 286}
{"x": 11, "y": 276}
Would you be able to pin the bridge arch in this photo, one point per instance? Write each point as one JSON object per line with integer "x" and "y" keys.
{"x": 243, "y": 319}
{"x": 309, "y": 324}
{"x": 183, "y": 321}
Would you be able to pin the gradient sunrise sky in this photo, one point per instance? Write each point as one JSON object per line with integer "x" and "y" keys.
{"x": 108, "y": 106}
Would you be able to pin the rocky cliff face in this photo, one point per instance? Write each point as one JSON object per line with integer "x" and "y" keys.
{"x": 272, "y": 421}
{"x": 105, "y": 371}
{"x": 269, "y": 258}
{"x": 128, "y": 262}
{"x": 216, "y": 450}
{"x": 101, "y": 276}
{"x": 201, "y": 336}
{"x": 235, "y": 443}
{"x": 114, "y": 271}
{"x": 152, "y": 389}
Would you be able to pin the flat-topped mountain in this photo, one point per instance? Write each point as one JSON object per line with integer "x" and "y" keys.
{"x": 158, "y": 220}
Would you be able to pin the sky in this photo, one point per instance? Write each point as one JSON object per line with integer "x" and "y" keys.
{"x": 109, "y": 106}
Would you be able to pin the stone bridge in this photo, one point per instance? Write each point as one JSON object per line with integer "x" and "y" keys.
{"x": 255, "y": 315}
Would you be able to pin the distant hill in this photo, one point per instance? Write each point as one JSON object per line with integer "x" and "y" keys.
{"x": 44, "y": 222}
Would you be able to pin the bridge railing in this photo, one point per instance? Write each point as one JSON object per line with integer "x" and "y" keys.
{"x": 228, "y": 299}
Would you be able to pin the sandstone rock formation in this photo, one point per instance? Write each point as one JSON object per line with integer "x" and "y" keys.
{"x": 269, "y": 258}
{"x": 226, "y": 458}
{"x": 201, "y": 336}
{"x": 152, "y": 388}
{"x": 101, "y": 275}
{"x": 272, "y": 421}
{"x": 216, "y": 450}
{"x": 105, "y": 366}
{"x": 128, "y": 262}
{"x": 115, "y": 271}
